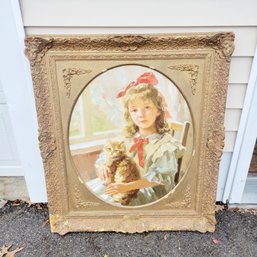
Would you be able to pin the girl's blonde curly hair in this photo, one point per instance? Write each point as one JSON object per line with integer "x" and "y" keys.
{"x": 145, "y": 92}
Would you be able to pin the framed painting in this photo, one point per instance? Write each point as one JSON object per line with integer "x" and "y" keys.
{"x": 131, "y": 128}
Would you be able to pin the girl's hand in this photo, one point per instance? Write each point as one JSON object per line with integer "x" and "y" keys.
{"x": 103, "y": 172}
{"x": 117, "y": 188}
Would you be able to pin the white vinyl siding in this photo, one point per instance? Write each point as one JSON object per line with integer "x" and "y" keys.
{"x": 236, "y": 95}
{"x": 124, "y": 17}
{"x": 143, "y": 13}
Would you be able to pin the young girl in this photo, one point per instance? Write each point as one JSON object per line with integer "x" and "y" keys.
{"x": 150, "y": 144}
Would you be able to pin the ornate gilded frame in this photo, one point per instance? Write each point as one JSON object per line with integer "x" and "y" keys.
{"x": 199, "y": 65}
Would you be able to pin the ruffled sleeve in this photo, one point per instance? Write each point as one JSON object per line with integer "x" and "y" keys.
{"x": 168, "y": 145}
{"x": 163, "y": 171}
{"x": 163, "y": 163}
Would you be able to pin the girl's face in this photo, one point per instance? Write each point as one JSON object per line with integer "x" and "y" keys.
{"x": 143, "y": 113}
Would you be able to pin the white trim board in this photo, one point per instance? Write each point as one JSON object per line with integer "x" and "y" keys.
{"x": 223, "y": 173}
{"x": 250, "y": 191}
{"x": 241, "y": 205}
{"x": 245, "y": 142}
{"x": 17, "y": 86}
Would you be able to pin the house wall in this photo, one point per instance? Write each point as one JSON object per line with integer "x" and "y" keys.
{"x": 112, "y": 16}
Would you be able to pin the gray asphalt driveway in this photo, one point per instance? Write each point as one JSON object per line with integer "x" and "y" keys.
{"x": 28, "y": 227}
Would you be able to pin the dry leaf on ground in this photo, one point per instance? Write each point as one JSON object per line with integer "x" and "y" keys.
{"x": 6, "y": 253}
{"x": 38, "y": 206}
{"x": 45, "y": 222}
{"x": 2, "y": 203}
{"x": 244, "y": 210}
{"x": 27, "y": 200}
{"x": 16, "y": 202}
{"x": 219, "y": 208}
{"x": 147, "y": 236}
{"x": 216, "y": 241}
{"x": 166, "y": 236}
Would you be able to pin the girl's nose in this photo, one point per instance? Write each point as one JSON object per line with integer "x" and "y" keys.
{"x": 141, "y": 112}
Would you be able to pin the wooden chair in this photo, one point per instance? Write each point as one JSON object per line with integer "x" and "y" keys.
{"x": 183, "y": 128}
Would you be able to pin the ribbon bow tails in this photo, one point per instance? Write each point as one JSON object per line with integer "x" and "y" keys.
{"x": 138, "y": 145}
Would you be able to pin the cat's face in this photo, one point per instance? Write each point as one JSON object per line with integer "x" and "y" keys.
{"x": 115, "y": 149}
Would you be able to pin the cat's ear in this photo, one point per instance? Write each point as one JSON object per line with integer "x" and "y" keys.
{"x": 108, "y": 142}
{"x": 123, "y": 145}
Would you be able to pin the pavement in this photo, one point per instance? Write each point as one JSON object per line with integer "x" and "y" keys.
{"x": 12, "y": 188}
{"x": 26, "y": 228}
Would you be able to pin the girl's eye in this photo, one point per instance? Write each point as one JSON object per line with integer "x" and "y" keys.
{"x": 147, "y": 107}
{"x": 133, "y": 110}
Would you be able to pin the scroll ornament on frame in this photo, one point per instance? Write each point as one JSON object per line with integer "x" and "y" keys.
{"x": 185, "y": 203}
{"x": 193, "y": 71}
{"x": 81, "y": 203}
{"x": 68, "y": 74}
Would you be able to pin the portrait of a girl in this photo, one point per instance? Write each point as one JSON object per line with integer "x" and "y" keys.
{"x": 149, "y": 144}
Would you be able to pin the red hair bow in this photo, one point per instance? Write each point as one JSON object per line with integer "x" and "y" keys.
{"x": 145, "y": 78}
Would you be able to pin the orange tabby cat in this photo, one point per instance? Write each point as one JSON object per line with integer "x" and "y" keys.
{"x": 123, "y": 169}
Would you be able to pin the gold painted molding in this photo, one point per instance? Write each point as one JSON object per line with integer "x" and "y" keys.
{"x": 185, "y": 203}
{"x": 80, "y": 203}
